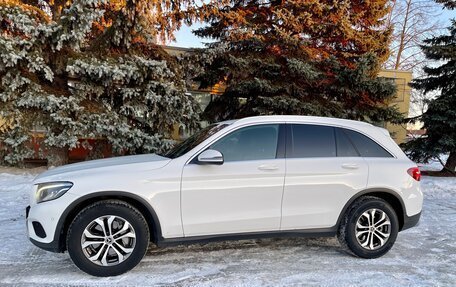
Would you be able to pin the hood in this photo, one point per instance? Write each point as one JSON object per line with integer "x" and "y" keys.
{"x": 153, "y": 161}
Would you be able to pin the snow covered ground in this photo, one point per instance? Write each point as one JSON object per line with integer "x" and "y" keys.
{"x": 422, "y": 256}
{"x": 434, "y": 164}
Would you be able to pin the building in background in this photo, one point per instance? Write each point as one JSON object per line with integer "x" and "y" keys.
{"x": 402, "y": 101}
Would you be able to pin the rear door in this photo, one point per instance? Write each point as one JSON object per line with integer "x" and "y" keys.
{"x": 324, "y": 170}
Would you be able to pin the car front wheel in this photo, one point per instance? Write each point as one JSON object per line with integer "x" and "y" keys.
{"x": 108, "y": 238}
{"x": 369, "y": 228}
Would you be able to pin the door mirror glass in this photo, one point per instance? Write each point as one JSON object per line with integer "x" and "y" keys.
{"x": 210, "y": 156}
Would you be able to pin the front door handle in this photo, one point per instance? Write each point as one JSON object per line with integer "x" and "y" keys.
{"x": 268, "y": 167}
{"x": 350, "y": 166}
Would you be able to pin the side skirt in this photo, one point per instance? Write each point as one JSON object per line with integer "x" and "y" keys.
{"x": 317, "y": 232}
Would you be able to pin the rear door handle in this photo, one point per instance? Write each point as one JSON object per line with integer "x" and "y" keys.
{"x": 268, "y": 167}
{"x": 350, "y": 166}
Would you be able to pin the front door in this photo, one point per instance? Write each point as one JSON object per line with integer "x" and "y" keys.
{"x": 243, "y": 194}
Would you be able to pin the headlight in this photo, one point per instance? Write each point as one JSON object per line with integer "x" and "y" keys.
{"x": 51, "y": 190}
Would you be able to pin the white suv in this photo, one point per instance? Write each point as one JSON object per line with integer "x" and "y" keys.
{"x": 255, "y": 177}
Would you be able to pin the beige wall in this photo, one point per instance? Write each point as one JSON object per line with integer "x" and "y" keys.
{"x": 402, "y": 100}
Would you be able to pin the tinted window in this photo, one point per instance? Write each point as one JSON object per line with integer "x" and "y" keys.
{"x": 250, "y": 143}
{"x": 344, "y": 147}
{"x": 312, "y": 141}
{"x": 365, "y": 146}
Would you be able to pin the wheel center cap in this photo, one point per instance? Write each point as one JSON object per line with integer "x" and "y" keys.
{"x": 108, "y": 240}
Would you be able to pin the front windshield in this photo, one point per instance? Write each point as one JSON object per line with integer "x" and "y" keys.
{"x": 194, "y": 140}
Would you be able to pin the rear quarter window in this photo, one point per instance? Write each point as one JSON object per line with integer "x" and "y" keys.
{"x": 344, "y": 146}
{"x": 365, "y": 146}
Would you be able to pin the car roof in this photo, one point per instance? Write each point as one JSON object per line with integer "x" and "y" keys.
{"x": 302, "y": 119}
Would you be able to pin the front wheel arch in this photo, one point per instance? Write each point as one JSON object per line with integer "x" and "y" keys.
{"x": 108, "y": 238}
{"x": 136, "y": 201}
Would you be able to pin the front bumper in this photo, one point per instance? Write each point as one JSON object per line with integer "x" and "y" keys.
{"x": 52, "y": 246}
{"x": 410, "y": 221}
{"x": 43, "y": 219}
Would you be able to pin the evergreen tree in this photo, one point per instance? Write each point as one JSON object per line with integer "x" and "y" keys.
{"x": 440, "y": 118}
{"x": 449, "y": 4}
{"x": 298, "y": 57}
{"x": 90, "y": 69}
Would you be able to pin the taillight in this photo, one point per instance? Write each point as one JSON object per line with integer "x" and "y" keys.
{"x": 415, "y": 173}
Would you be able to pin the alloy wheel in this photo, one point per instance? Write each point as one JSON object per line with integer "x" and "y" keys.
{"x": 373, "y": 228}
{"x": 108, "y": 240}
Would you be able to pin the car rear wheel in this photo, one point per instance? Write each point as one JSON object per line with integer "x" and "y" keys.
{"x": 108, "y": 238}
{"x": 369, "y": 228}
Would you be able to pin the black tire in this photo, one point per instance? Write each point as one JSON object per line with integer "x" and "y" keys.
{"x": 104, "y": 208}
{"x": 347, "y": 229}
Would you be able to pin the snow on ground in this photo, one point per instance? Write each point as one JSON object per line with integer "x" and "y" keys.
{"x": 433, "y": 164}
{"x": 422, "y": 256}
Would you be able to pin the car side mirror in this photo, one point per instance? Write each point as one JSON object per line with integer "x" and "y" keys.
{"x": 210, "y": 156}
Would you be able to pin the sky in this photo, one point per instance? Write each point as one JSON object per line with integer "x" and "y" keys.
{"x": 185, "y": 37}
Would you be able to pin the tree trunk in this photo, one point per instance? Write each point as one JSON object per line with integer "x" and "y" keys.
{"x": 57, "y": 156}
{"x": 397, "y": 65}
{"x": 450, "y": 164}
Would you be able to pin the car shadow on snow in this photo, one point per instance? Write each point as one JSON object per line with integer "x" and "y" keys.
{"x": 269, "y": 244}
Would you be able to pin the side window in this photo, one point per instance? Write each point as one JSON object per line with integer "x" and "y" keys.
{"x": 249, "y": 143}
{"x": 344, "y": 147}
{"x": 312, "y": 141}
{"x": 365, "y": 146}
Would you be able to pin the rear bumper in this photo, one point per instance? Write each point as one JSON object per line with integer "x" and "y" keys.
{"x": 410, "y": 221}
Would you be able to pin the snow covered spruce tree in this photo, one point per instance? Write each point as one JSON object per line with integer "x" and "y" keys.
{"x": 440, "y": 118}
{"x": 89, "y": 69}
{"x": 291, "y": 57}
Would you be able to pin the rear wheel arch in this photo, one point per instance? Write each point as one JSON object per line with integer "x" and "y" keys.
{"x": 389, "y": 196}
{"x": 369, "y": 228}
{"x": 136, "y": 201}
